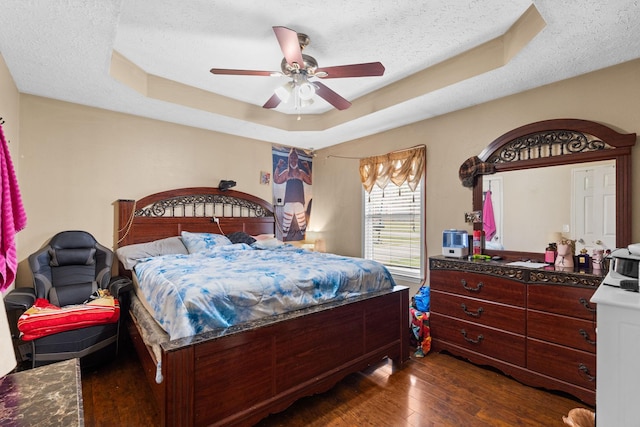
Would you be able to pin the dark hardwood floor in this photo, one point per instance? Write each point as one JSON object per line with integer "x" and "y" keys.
{"x": 438, "y": 390}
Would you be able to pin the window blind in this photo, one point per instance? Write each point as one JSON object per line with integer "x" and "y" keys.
{"x": 393, "y": 228}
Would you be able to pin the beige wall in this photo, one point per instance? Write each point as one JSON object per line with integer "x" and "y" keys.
{"x": 76, "y": 161}
{"x": 610, "y": 96}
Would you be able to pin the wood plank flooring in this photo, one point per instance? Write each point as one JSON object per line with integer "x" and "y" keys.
{"x": 438, "y": 390}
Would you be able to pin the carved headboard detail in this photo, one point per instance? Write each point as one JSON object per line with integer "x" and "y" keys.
{"x": 547, "y": 144}
{"x": 168, "y": 213}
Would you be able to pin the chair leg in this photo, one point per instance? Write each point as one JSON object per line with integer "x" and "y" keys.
{"x": 117, "y": 338}
{"x": 33, "y": 354}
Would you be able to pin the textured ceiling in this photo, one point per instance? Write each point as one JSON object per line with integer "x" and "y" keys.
{"x": 64, "y": 49}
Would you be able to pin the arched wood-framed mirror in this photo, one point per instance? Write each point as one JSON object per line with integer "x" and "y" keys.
{"x": 561, "y": 142}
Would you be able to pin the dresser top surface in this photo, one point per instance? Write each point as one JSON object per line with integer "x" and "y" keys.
{"x": 547, "y": 274}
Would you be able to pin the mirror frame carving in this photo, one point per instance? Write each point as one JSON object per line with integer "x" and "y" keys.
{"x": 560, "y": 142}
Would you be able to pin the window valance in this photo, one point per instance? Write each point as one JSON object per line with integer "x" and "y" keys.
{"x": 397, "y": 167}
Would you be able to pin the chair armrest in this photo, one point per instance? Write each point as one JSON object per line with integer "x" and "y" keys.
{"x": 119, "y": 285}
{"x": 20, "y": 299}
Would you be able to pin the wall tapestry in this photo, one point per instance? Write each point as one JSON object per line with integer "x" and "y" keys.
{"x": 292, "y": 193}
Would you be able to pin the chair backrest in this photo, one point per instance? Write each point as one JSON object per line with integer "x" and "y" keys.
{"x": 70, "y": 268}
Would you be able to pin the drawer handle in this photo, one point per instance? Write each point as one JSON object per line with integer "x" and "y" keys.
{"x": 585, "y": 335}
{"x": 469, "y": 288}
{"x": 471, "y": 340}
{"x": 586, "y": 305}
{"x": 469, "y": 313}
{"x": 585, "y": 372}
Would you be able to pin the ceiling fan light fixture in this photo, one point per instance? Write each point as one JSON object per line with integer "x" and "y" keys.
{"x": 306, "y": 91}
{"x": 284, "y": 92}
{"x": 300, "y": 68}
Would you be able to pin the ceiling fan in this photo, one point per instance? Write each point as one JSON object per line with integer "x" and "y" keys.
{"x": 301, "y": 68}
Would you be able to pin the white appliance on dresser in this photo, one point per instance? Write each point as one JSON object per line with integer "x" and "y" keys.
{"x": 618, "y": 350}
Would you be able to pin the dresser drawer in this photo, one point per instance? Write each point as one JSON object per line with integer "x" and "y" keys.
{"x": 481, "y": 286}
{"x": 574, "y": 366}
{"x": 565, "y": 300}
{"x": 499, "y": 316}
{"x": 481, "y": 339}
{"x": 567, "y": 331}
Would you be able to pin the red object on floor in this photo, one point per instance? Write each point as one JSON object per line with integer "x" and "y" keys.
{"x": 421, "y": 332}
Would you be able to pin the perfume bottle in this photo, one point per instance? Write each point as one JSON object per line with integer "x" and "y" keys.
{"x": 597, "y": 259}
{"x": 584, "y": 260}
{"x": 477, "y": 242}
{"x": 550, "y": 253}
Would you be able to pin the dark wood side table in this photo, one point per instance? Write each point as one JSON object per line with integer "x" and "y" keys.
{"x": 50, "y": 395}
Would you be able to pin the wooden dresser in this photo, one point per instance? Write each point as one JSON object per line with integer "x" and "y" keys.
{"x": 536, "y": 325}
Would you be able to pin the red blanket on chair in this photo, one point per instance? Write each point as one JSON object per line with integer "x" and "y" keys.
{"x": 44, "y": 318}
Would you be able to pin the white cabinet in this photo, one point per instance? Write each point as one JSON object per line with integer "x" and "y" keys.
{"x": 618, "y": 357}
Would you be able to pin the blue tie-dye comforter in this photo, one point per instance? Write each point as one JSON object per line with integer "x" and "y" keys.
{"x": 232, "y": 284}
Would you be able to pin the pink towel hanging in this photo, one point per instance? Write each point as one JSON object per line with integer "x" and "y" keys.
{"x": 488, "y": 218}
{"x": 13, "y": 217}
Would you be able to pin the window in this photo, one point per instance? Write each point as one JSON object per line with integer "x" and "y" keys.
{"x": 393, "y": 226}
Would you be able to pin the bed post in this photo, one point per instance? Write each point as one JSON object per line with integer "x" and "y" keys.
{"x": 180, "y": 372}
{"x": 404, "y": 330}
{"x": 124, "y": 210}
{"x": 124, "y": 214}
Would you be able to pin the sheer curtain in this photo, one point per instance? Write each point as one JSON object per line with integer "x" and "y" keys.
{"x": 397, "y": 167}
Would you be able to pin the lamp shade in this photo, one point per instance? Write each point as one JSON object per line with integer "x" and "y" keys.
{"x": 554, "y": 237}
{"x": 7, "y": 355}
{"x": 284, "y": 92}
{"x": 306, "y": 91}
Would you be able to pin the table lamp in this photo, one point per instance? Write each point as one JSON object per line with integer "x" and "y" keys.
{"x": 7, "y": 355}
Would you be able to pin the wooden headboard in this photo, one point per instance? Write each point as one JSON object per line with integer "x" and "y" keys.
{"x": 194, "y": 209}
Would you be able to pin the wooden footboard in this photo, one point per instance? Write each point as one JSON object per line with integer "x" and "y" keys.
{"x": 241, "y": 378}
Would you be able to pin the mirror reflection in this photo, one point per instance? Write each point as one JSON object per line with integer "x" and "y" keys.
{"x": 531, "y": 206}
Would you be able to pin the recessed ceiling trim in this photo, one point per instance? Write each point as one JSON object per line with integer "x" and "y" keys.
{"x": 474, "y": 62}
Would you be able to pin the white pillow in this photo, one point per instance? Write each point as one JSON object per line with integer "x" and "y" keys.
{"x": 130, "y": 254}
{"x": 267, "y": 243}
{"x": 199, "y": 242}
{"x": 264, "y": 236}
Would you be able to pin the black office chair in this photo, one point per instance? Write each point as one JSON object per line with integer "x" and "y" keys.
{"x": 69, "y": 270}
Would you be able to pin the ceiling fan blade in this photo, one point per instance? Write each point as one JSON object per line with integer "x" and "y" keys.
{"x": 241, "y": 72}
{"x": 273, "y": 102}
{"x": 368, "y": 69}
{"x": 290, "y": 45}
{"x": 331, "y": 97}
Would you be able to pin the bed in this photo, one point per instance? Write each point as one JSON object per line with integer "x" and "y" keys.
{"x": 239, "y": 374}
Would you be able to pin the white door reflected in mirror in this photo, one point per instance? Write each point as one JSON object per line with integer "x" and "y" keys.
{"x": 593, "y": 197}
